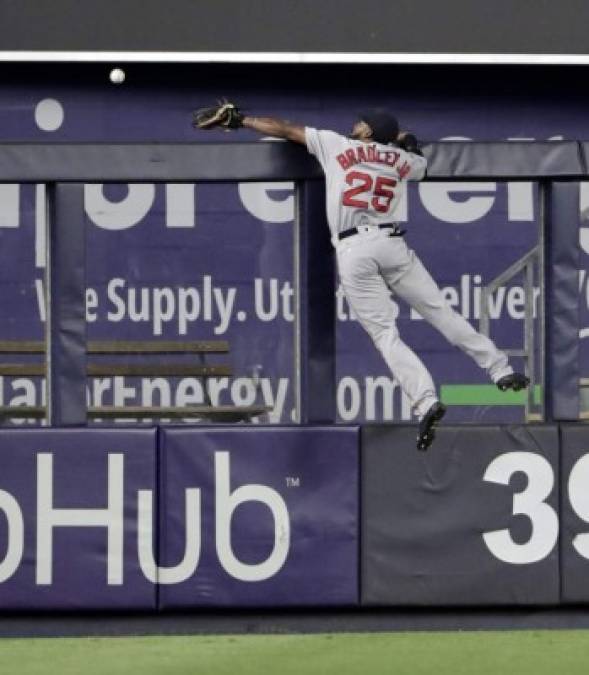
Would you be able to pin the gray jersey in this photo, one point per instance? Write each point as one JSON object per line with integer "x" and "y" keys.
{"x": 364, "y": 181}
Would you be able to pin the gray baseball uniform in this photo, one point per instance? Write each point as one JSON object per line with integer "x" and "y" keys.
{"x": 364, "y": 184}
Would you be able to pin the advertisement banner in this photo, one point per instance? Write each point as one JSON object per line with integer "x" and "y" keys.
{"x": 190, "y": 262}
{"x": 70, "y": 521}
{"x": 474, "y": 521}
{"x": 254, "y": 517}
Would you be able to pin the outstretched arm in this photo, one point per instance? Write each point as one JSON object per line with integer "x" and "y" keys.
{"x": 272, "y": 126}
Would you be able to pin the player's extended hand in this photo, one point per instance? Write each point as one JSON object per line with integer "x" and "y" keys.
{"x": 224, "y": 115}
{"x": 408, "y": 142}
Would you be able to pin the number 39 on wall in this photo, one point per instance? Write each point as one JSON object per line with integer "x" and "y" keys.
{"x": 531, "y": 503}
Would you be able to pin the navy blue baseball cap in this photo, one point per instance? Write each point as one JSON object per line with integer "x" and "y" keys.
{"x": 385, "y": 127}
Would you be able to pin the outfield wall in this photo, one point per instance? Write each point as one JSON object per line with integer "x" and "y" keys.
{"x": 280, "y": 516}
{"x": 192, "y": 517}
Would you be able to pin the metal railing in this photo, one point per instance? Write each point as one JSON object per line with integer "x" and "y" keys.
{"x": 525, "y": 265}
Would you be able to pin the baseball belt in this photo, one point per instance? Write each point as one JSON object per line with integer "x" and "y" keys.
{"x": 396, "y": 231}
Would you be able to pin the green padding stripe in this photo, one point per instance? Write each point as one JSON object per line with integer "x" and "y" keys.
{"x": 484, "y": 394}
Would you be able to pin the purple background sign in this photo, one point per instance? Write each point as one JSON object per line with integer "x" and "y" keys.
{"x": 296, "y": 545}
{"x": 73, "y": 465}
{"x": 198, "y": 265}
{"x": 215, "y": 261}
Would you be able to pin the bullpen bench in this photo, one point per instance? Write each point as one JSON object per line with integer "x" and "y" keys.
{"x": 137, "y": 368}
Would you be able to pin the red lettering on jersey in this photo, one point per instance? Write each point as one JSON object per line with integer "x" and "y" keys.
{"x": 351, "y": 157}
{"x": 370, "y": 153}
{"x": 343, "y": 160}
{"x": 404, "y": 169}
{"x": 361, "y": 184}
{"x": 392, "y": 158}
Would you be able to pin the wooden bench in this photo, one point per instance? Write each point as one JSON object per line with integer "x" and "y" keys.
{"x": 130, "y": 348}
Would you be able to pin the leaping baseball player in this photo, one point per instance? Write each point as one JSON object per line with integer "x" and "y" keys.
{"x": 366, "y": 175}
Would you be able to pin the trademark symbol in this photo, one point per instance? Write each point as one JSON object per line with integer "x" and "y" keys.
{"x": 293, "y": 482}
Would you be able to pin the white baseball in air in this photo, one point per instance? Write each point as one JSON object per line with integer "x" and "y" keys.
{"x": 49, "y": 114}
{"x": 117, "y": 76}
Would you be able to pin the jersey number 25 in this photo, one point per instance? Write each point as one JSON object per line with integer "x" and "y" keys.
{"x": 363, "y": 184}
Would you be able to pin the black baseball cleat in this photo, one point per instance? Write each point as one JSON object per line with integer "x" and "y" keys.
{"x": 427, "y": 431}
{"x": 515, "y": 381}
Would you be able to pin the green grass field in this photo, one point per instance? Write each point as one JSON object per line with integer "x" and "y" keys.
{"x": 444, "y": 653}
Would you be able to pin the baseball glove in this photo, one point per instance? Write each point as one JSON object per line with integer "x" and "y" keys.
{"x": 225, "y": 115}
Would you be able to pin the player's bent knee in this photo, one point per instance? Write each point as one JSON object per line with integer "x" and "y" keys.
{"x": 385, "y": 339}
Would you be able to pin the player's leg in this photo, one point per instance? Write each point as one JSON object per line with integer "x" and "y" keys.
{"x": 370, "y": 300}
{"x": 415, "y": 285}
